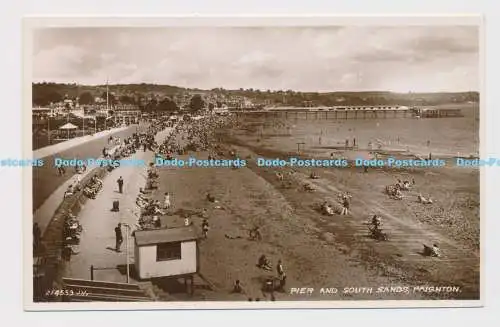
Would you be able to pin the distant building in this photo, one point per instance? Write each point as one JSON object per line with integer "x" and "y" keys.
{"x": 168, "y": 252}
{"x": 42, "y": 112}
{"x": 126, "y": 109}
{"x": 68, "y": 104}
{"x": 99, "y": 100}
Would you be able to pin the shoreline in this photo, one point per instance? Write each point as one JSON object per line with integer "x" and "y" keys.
{"x": 246, "y": 195}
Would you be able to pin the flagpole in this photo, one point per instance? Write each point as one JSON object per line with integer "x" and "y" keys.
{"x": 48, "y": 127}
{"x": 67, "y": 120}
{"x": 83, "y": 110}
{"x": 107, "y": 103}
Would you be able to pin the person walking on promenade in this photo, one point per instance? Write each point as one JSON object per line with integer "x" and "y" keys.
{"x": 205, "y": 228}
{"x": 166, "y": 201}
{"x": 119, "y": 237}
{"x": 345, "y": 205}
{"x": 120, "y": 184}
{"x": 281, "y": 275}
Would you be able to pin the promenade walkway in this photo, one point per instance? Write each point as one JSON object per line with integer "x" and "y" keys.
{"x": 43, "y": 215}
{"x": 98, "y": 237}
{"x": 46, "y": 180}
{"x": 59, "y": 147}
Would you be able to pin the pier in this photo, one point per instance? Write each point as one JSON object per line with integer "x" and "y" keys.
{"x": 350, "y": 113}
{"x": 315, "y": 114}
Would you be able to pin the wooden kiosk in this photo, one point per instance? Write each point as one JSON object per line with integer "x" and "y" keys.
{"x": 168, "y": 252}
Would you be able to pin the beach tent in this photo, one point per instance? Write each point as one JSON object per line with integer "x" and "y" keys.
{"x": 68, "y": 127}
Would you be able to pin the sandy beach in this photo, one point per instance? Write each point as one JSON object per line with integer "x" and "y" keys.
{"x": 320, "y": 251}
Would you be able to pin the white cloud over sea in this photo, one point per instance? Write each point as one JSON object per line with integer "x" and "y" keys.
{"x": 357, "y": 58}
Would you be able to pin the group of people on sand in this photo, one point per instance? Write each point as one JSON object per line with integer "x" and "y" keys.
{"x": 194, "y": 135}
{"x": 152, "y": 209}
{"x": 395, "y": 191}
{"x": 341, "y": 208}
{"x": 265, "y": 264}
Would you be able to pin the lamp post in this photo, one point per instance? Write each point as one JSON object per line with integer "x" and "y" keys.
{"x": 298, "y": 146}
{"x": 127, "y": 250}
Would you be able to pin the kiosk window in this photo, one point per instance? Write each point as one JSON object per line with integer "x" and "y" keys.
{"x": 168, "y": 251}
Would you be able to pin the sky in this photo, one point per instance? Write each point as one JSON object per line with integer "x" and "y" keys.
{"x": 309, "y": 59}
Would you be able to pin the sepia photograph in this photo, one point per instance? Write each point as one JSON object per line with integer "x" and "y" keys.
{"x": 215, "y": 163}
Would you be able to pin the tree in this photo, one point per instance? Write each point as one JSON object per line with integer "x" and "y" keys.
{"x": 111, "y": 98}
{"x": 125, "y": 99}
{"x": 86, "y": 98}
{"x": 151, "y": 105}
{"x": 43, "y": 96}
{"x": 167, "y": 105}
{"x": 196, "y": 104}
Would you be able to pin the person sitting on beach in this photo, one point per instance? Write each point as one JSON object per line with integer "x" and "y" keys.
{"x": 80, "y": 169}
{"x": 69, "y": 192}
{"x": 211, "y": 198}
{"x": 376, "y": 221}
{"x": 279, "y": 176}
{"x": 436, "y": 252}
{"x": 143, "y": 202}
{"x": 398, "y": 195}
{"x": 308, "y": 187}
{"x": 421, "y": 199}
{"x": 96, "y": 180}
{"x": 327, "y": 209}
{"x": 427, "y": 201}
{"x": 254, "y": 233}
{"x": 142, "y": 191}
{"x": 264, "y": 263}
{"x": 156, "y": 222}
{"x": 237, "y": 287}
{"x": 432, "y": 251}
{"x": 313, "y": 175}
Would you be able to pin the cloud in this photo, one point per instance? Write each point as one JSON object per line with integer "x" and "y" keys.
{"x": 62, "y": 61}
{"x": 419, "y": 58}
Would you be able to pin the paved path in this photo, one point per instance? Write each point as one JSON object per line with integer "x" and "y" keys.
{"x": 98, "y": 236}
{"x": 63, "y": 146}
{"x": 46, "y": 179}
{"x": 44, "y": 214}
